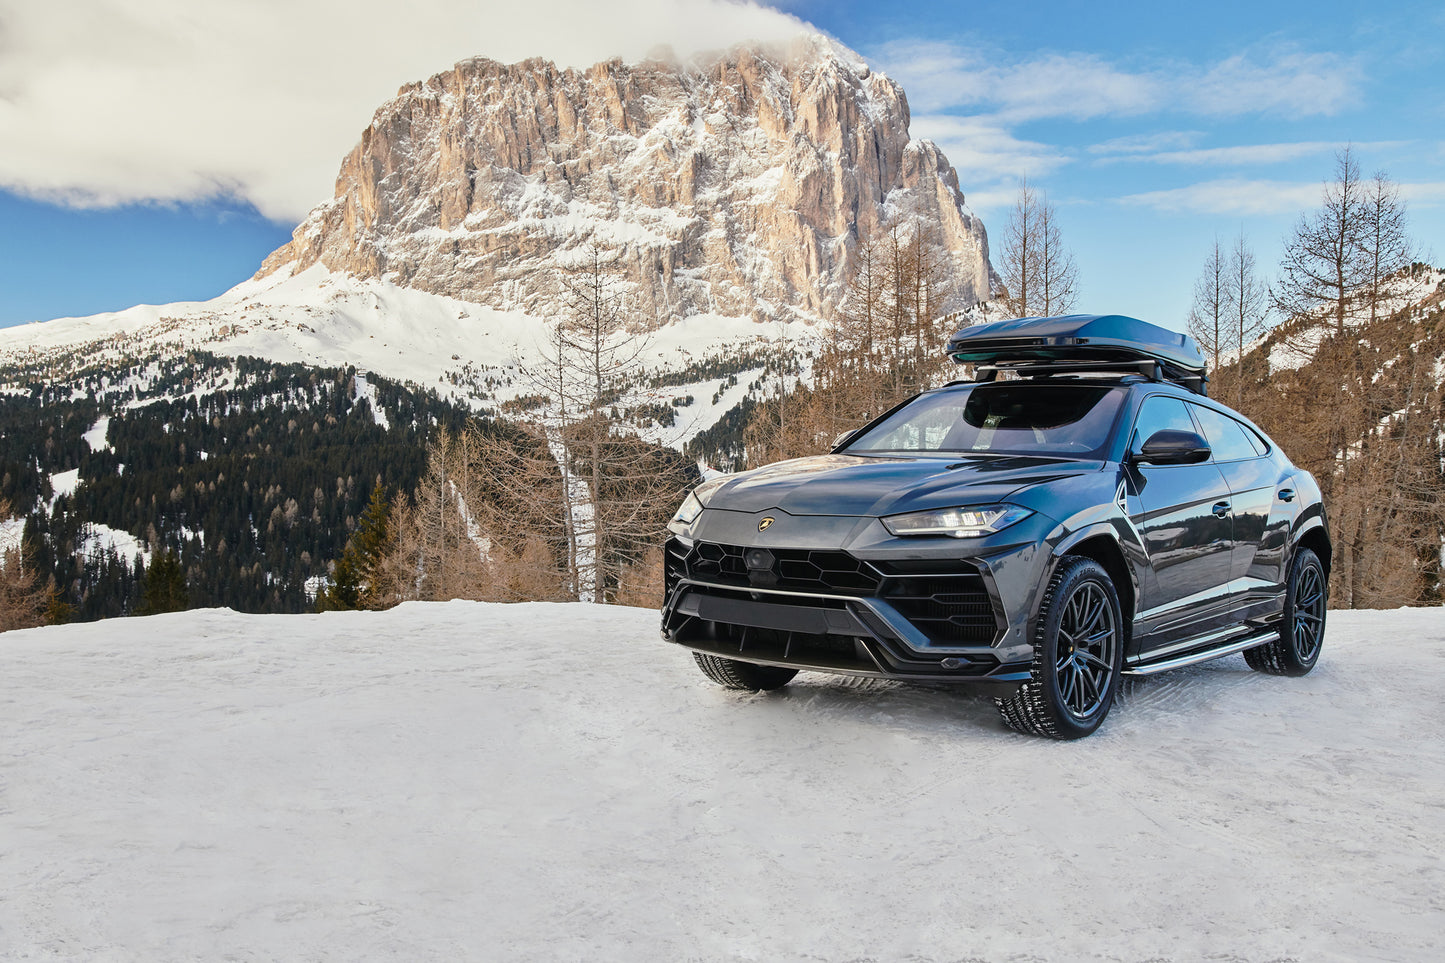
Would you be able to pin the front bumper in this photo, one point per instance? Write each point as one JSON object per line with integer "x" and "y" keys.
{"x": 885, "y": 615}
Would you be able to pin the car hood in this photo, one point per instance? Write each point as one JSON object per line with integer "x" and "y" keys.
{"x": 846, "y": 484}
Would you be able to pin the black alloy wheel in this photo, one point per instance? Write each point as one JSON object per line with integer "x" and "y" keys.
{"x": 1078, "y": 656}
{"x": 1302, "y": 629}
{"x": 1084, "y": 657}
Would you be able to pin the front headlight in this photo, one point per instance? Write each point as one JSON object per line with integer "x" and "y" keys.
{"x": 972, "y": 522}
{"x": 686, "y": 513}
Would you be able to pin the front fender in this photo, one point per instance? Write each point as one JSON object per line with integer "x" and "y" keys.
{"x": 1114, "y": 543}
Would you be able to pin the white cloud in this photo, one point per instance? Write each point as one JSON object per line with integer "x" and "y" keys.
{"x": 114, "y": 101}
{"x": 1250, "y": 197}
{"x": 983, "y": 151}
{"x": 1148, "y": 143}
{"x": 1232, "y": 196}
{"x": 971, "y": 101}
{"x": 1239, "y": 155}
{"x": 996, "y": 199}
{"x": 941, "y": 76}
{"x": 1289, "y": 83}
{"x": 1424, "y": 194}
{"x": 1140, "y": 151}
{"x": 1077, "y": 86}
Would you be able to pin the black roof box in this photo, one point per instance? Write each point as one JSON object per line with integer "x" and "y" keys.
{"x": 1080, "y": 338}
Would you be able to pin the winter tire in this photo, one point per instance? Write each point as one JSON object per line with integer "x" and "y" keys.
{"x": 1302, "y": 629}
{"x": 1078, "y": 656}
{"x": 732, "y": 674}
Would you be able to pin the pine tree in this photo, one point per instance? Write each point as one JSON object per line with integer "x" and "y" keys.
{"x": 354, "y": 583}
{"x": 165, "y": 586}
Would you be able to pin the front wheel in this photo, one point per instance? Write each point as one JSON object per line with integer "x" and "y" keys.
{"x": 1078, "y": 656}
{"x": 1302, "y": 630}
{"x": 747, "y": 676}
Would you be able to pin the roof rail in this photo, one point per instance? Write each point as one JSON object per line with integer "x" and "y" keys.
{"x": 1152, "y": 370}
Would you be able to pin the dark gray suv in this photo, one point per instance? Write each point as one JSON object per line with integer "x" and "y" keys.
{"x": 1078, "y": 511}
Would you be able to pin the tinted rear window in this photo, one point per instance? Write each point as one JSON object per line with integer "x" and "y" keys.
{"x": 1228, "y": 439}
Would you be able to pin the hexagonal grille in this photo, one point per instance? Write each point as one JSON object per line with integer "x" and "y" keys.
{"x": 946, "y": 608}
{"x": 796, "y": 570}
{"x": 945, "y": 598}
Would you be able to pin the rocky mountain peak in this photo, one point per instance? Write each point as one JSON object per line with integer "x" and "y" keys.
{"x": 737, "y": 185}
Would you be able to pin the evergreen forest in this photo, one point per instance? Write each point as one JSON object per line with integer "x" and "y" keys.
{"x": 250, "y": 475}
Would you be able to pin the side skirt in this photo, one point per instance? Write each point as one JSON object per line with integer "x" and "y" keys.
{"x": 1209, "y": 651}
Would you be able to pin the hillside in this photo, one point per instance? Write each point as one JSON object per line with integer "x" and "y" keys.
{"x": 470, "y": 781}
{"x": 1362, "y": 407}
{"x": 468, "y": 353}
{"x": 251, "y": 473}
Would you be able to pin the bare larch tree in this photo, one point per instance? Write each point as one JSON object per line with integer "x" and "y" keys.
{"x": 1208, "y": 320}
{"x": 883, "y": 344}
{"x": 1038, "y": 271}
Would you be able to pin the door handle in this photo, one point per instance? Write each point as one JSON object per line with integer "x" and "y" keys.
{"x": 1286, "y": 494}
{"x": 1221, "y": 509}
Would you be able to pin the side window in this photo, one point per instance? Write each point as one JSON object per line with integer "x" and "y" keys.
{"x": 1156, "y": 414}
{"x": 1227, "y": 437}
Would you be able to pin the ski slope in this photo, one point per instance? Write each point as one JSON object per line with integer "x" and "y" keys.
{"x": 466, "y": 781}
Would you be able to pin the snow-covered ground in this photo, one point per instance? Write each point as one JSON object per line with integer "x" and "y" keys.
{"x": 95, "y": 437}
{"x": 97, "y": 539}
{"x": 63, "y": 483}
{"x": 465, "y": 781}
{"x": 12, "y": 534}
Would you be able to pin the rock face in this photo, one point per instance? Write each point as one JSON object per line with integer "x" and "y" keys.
{"x": 739, "y": 186}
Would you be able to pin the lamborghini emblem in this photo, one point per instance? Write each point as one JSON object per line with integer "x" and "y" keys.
{"x": 763, "y": 525}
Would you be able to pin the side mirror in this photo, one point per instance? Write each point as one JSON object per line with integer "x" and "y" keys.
{"x": 1173, "y": 447}
{"x": 844, "y": 438}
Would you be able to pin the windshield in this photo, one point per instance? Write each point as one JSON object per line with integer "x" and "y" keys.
{"x": 1015, "y": 418}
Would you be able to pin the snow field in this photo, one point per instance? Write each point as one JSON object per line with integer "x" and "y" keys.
{"x": 466, "y": 781}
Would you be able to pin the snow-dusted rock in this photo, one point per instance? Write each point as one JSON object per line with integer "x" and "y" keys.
{"x": 735, "y": 186}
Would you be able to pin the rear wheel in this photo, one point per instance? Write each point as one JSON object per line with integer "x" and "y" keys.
{"x": 1302, "y": 630}
{"x": 732, "y": 674}
{"x": 1078, "y": 655}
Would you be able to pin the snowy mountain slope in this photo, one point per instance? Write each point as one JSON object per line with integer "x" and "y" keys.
{"x": 467, "y": 352}
{"x": 1291, "y": 345}
{"x": 551, "y": 782}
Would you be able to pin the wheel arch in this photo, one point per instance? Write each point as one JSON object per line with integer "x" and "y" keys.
{"x": 1101, "y": 547}
{"x": 1317, "y": 540}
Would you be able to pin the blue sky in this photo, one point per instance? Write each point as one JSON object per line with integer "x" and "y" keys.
{"x": 157, "y": 150}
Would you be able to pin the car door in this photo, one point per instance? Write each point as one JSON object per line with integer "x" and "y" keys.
{"x": 1261, "y": 517}
{"x": 1185, "y": 522}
